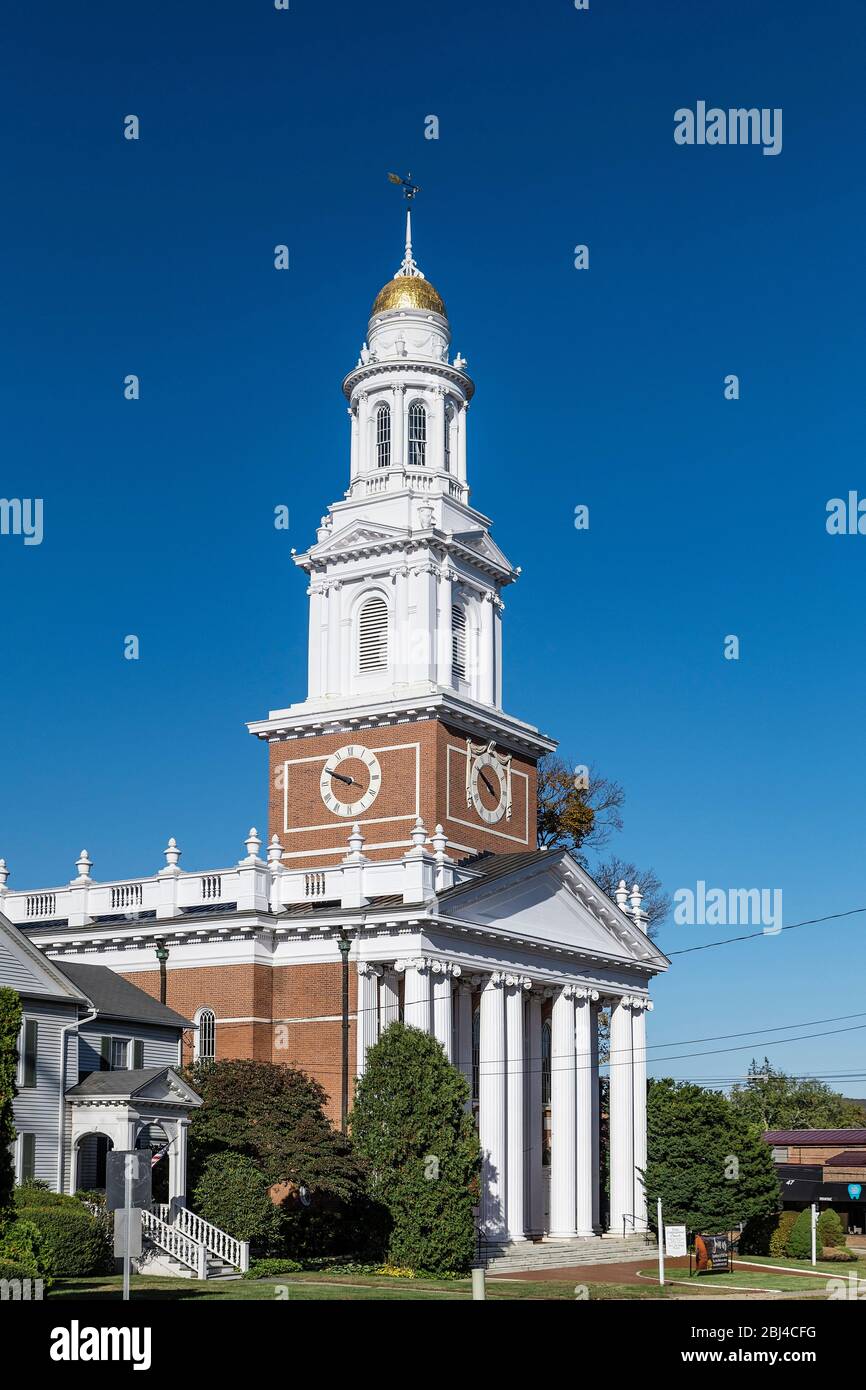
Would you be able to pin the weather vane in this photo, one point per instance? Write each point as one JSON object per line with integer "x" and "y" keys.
{"x": 409, "y": 188}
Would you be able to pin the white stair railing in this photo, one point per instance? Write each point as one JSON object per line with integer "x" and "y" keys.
{"x": 176, "y": 1243}
{"x": 217, "y": 1242}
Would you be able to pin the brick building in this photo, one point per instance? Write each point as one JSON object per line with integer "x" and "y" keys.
{"x": 402, "y": 829}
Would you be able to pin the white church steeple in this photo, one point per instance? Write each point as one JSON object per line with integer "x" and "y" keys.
{"x": 405, "y": 579}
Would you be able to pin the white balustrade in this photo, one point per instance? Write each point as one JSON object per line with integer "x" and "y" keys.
{"x": 41, "y": 904}
{"x": 125, "y": 896}
{"x": 211, "y": 887}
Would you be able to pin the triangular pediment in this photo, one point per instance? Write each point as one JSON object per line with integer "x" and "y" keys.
{"x": 167, "y": 1088}
{"x": 551, "y": 901}
{"x": 483, "y": 545}
{"x": 358, "y": 535}
{"x": 24, "y": 968}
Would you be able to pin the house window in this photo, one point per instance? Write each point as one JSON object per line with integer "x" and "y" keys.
{"x": 373, "y": 635}
{"x": 27, "y": 1161}
{"x": 119, "y": 1054}
{"x": 779, "y": 1155}
{"x": 417, "y": 435}
{"x": 458, "y": 641}
{"x": 545, "y": 1063}
{"x": 383, "y": 437}
{"x": 28, "y": 1049}
{"x": 205, "y": 1040}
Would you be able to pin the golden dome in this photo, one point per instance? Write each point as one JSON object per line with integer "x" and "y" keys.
{"x": 408, "y": 292}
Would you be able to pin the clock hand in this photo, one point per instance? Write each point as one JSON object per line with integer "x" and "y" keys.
{"x": 487, "y": 784}
{"x": 341, "y": 777}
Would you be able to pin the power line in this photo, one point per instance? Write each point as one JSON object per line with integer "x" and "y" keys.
{"x": 752, "y": 936}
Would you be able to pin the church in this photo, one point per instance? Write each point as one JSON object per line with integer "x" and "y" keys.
{"x": 400, "y": 877}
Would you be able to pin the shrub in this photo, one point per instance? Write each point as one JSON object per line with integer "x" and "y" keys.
{"x": 836, "y": 1254}
{"x": 411, "y": 1126}
{"x": 10, "y": 1026}
{"x": 24, "y": 1244}
{"x": 800, "y": 1239}
{"x": 779, "y": 1237}
{"x": 10, "y": 1270}
{"x": 232, "y": 1193}
{"x": 830, "y": 1230}
{"x": 262, "y": 1269}
{"x": 79, "y": 1242}
{"x": 758, "y": 1233}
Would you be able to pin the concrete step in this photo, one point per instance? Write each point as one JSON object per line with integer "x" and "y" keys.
{"x": 560, "y": 1254}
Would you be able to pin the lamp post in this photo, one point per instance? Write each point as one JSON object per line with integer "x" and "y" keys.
{"x": 344, "y": 945}
{"x": 162, "y": 957}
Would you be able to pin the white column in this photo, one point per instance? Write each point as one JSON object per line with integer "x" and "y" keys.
{"x": 596, "y": 1124}
{"x": 401, "y": 626}
{"x": 398, "y": 428}
{"x": 443, "y": 627}
{"x": 515, "y": 1049}
{"x": 345, "y": 639}
{"x": 416, "y": 996}
{"x": 498, "y": 607}
{"x": 461, "y": 441}
{"x": 563, "y": 1157}
{"x": 621, "y": 1118}
{"x": 422, "y": 652}
{"x": 534, "y": 1189}
{"x": 584, "y": 1021}
{"x": 389, "y": 1000}
{"x": 180, "y": 1171}
{"x": 443, "y": 1019}
{"x": 364, "y": 423}
{"x": 353, "y": 421}
{"x": 638, "y": 1036}
{"x": 491, "y": 1108}
{"x": 464, "y": 1034}
{"x": 367, "y": 1031}
{"x": 486, "y": 655}
{"x": 314, "y": 663}
{"x": 334, "y": 601}
{"x": 437, "y": 443}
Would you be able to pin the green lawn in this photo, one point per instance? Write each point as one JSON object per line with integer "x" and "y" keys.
{"x": 331, "y": 1286}
{"x": 745, "y": 1277}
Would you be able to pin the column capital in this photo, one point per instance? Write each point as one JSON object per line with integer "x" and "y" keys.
{"x": 591, "y": 995}
{"x": 419, "y": 963}
{"x": 444, "y": 967}
{"x": 518, "y": 982}
{"x": 367, "y": 968}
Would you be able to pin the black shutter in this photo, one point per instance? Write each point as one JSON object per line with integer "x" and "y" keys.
{"x": 105, "y": 1054}
{"x": 28, "y": 1157}
{"x": 31, "y": 1049}
{"x": 137, "y": 1054}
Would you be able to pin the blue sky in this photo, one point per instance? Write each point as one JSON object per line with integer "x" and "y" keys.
{"x": 707, "y": 516}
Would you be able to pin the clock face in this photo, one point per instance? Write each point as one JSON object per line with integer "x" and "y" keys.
{"x": 488, "y": 788}
{"x": 350, "y": 780}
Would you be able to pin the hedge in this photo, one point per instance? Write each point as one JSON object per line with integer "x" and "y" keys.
{"x": 9, "y": 1269}
{"x": 78, "y": 1243}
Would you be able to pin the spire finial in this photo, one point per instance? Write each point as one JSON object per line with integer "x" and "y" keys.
{"x": 408, "y": 267}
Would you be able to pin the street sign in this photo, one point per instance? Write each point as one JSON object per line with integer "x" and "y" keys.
{"x": 115, "y": 1178}
{"x": 676, "y": 1242}
{"x": 127, "y": 1233}
{"x": 854, "y": 1190}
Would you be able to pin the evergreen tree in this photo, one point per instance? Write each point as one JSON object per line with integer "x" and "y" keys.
{"x": 800, "y": 1239}
{"x": 10, "y": 1027}
{"x": 411, "y": 1125}
{"x": 710, "y": 1168}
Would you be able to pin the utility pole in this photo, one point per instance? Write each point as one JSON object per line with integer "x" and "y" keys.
{"x": 345, "y": 946}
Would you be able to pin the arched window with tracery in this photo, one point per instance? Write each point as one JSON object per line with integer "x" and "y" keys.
{"x": 417, "y": 434}
{"x": 383, "y": 436}
{"x": 373, "y": 635}
{"x": 205, "y": 1038}
{"x": 546, "y": 1041}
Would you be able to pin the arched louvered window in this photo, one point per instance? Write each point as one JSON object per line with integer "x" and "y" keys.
{"x": 417, "y": 435}
{"x": 383, "y": 436}
{"x": 449, "y": 431}
{"x": 476, "y": 1054}
{"x": 458, "y": 642}
{"x": 545, "y": 1063}
{"x": 373, "y": 635}
{"x": 205, "y": 1038}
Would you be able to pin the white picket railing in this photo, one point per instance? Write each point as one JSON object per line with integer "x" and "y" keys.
{"x": 176, "y": 1243}
{"x": 218, "y": 1242}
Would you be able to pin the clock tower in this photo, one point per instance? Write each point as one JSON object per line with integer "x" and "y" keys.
{"x": 403, "y": 717}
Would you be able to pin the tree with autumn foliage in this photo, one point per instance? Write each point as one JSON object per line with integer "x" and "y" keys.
{"x": 580, "y": 810}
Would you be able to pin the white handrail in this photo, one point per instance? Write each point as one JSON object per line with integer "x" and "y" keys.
{"x": 218, "y": 1242}
{"x": 176, "y": 1242}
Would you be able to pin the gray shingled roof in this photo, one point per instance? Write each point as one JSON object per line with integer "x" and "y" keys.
{"x": 115, "y": 997}
{"x": 116, "y": 1083}
{"x": 490, "y": 866}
